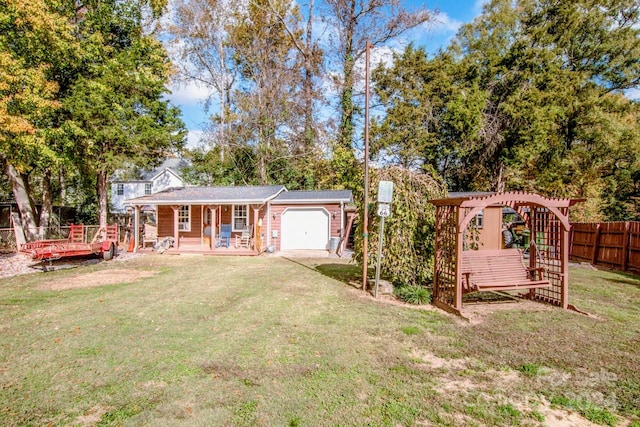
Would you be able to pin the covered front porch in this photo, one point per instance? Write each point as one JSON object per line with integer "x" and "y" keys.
{"x": 234, "y": 229}
{"x": 191, "y": 246}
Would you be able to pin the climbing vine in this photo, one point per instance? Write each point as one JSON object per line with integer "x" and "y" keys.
{"x": 409, "y": 234}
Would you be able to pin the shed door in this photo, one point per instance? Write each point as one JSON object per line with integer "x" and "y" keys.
{"x": 305, "y": 229}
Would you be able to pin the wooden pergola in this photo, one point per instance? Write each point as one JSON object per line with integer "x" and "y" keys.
{"x": 548, "y": 222}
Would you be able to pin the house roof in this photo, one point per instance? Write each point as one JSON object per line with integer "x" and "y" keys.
{"x": 319, "y": 196}
{"x": 278, "y": 194}
{"x": 172, "y": 165}
{"x": 210, "y": 195}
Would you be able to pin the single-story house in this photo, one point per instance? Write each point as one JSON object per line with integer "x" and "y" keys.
{"x": 252, "y": 218}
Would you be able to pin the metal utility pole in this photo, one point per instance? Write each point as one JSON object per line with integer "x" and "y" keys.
{"x": 365, "y": 220}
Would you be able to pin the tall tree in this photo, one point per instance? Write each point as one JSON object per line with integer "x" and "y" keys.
{"x": 531, "y": 107}
{"x": 200, "y": 40}
{"x": 429, "y": 120}
{"x": 32, "y": 34}
{"x": 263, "y": 61}
{"x": 115, "y": 107}
{"x": 352, "y": 23}
{"x": 264, "y": 56}
{"x": 308, "y": 98}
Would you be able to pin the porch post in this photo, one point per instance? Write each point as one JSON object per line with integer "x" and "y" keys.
{"x": 267, "y": 231}
{"x": 256, "y": 238}
{"x": 213, "y": 215}
{"x": 176, "y": 230}
{"x": 341, "y": 220}
{"x": 136, "y": 228}
{"x": 200, "y": 226}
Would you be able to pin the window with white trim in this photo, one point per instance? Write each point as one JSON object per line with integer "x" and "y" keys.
{"x": 478, "y": 220}
{"x": 147, "y": 188}
{"x": 240, "y": 218}
{"x": 119, "y": 189}
{"x": 184, "y": 218}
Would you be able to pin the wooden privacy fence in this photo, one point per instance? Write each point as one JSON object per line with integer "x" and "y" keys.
{"x": 610, "y": 244}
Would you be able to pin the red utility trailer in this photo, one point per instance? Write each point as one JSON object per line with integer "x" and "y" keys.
{"x": 75, "y": 245}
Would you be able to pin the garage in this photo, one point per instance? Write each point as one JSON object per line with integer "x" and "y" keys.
{"x": 305, "y": 228}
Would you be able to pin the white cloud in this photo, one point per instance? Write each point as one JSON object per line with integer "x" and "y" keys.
{"x": 442, "y": 23}
{"x": 194, "y": 138}
{"x": 382, "y": 54}
{"x": 188, "y": 93}
{"x": 633, "y": 94}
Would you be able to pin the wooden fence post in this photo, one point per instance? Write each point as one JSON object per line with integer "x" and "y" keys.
{"x": 596, "y": 243}
{"x": 571, "y": 234}
{"x": 625, "y": 246}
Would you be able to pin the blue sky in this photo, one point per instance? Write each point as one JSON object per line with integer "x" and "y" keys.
{"x": 452, "y": 14}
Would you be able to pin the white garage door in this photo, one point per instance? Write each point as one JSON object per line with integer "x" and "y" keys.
{"x": 305, "y": 229}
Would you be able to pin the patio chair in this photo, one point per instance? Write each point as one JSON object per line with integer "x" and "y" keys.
{"x": 150, "y": 235}
{"x": 244, "y": 239}
{"x": 225, "y": 235}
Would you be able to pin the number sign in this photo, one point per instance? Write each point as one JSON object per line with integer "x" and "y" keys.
{"x": 385, "y": 192}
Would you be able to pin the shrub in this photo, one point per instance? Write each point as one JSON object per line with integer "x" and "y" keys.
{"x": 413, "y": 294}
{"x": 409, "y": 233}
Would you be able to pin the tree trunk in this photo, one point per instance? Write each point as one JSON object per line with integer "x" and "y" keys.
{"x": 103, "y": 200}
{"x": 23, "y": 199}
{"x": 308, "y": 84}
{"x": 346, "y": 130}
{"x": 45, "y": 212}
{"x": 63, "y": 188}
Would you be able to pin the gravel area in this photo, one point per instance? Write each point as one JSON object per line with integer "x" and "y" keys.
{"x": 14, "y": 264}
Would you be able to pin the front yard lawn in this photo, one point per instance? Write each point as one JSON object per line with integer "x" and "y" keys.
{"x": 180, "y": 340}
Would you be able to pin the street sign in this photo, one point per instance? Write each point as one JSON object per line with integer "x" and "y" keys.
{"x": 384, "y": 210}
{"x": 385, "y": 197}
{"x": 385, "y": 192}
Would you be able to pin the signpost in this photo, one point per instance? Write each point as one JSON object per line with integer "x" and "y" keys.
{"x": 385, "y": 197}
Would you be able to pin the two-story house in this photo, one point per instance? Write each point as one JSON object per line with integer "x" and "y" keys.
{"x": 128, "y": 184}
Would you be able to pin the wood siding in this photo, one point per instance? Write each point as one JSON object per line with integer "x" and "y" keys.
{"x": 269, "y": 223}
{"x": 166, "y": 220}
{"x": 276, "y": 223}
{"x": 490, "y": 236}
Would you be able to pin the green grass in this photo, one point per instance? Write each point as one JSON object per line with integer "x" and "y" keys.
{"x": 413, "y": 294}
{"x": 269, "y": 341}
{"x": 529, "y": 369}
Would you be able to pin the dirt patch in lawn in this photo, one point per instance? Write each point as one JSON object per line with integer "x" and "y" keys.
{"x": 97, "y": 278}
{"x": 478, "y": 313}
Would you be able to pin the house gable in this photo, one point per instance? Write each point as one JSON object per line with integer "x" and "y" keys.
{"x": 147, "y": 182}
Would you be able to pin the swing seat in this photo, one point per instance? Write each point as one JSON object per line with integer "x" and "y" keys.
{"x": 498, "y": 270}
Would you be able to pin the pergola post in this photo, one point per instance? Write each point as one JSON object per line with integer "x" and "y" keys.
{"x": 458, "y": 267}
{"x": 564, "y": 248}
{"x": 436, "y": 251}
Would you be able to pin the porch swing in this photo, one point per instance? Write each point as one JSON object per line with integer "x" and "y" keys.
{"x": 460, "y": 268}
